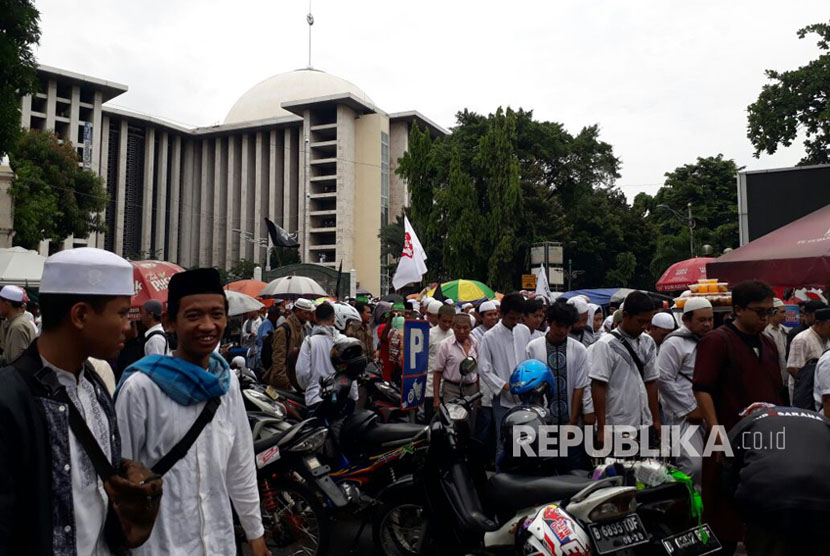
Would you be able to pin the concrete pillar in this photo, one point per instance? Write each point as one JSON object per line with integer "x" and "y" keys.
{"x": 6, "y": 207}
{"x": 186, "y": 257}
{"x": 74, "y": 115}
{"x": 97, "y": 133}
{"x": 121, "y": 189}
{"x": 287, "y": 200}
{"x": 174, "y": 202}
{"x": 244, "y": 216}
{"x": 26, "y": 112}
{"x": 260, "y": 197}
{"x": 398, "y": 190}
{"x": 346, "y": 184}
{"x": 220, "y": 180}
{"x": 204, "y": 220}
{"x": 161, "y": 199}
{"x": 103, "y": 134}
{"x": 51, "y": 103}
{"x": 147, "y": 198}
{"x": 232, "y": 213}
{"x": 302, "y": 181}
{"x": 275, "y": 177}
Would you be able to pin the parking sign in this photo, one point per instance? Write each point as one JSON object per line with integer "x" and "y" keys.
{"x": 415, "y": 362}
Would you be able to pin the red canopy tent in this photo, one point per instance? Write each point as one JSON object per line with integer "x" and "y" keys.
{"x": 794, "y": 255}
{"x": 679, "y": 275}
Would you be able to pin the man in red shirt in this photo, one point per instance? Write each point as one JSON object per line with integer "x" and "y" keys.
{"x": 736, "y": 365}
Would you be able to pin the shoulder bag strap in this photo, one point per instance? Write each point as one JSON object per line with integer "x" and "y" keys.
{"x": 180, "y": 449}
{"x": 637, "y": 362}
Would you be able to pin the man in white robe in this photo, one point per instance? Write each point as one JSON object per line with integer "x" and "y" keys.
{"x": 160, "y": 397}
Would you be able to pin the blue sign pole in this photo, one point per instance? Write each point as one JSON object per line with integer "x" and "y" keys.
{"x": 415, "y": 363}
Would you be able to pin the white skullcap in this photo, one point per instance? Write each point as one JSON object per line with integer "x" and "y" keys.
{"x": 238, "y": 362}
{"x": 304, "y": 305}
{"x": 12, "y": 293}
{"x": 608, "y": 323}
{"x": 695, "y": 303}
{"x": 433, "y": 307}
{"x": 449, "y": 301}
{"x": 663, "y": 320}
{"x": 486, "y": 306}
{"x": 87, "y": 271}
{"x": 580, "y": 304}
{"x": 466, "y": 306}
{"x": 775, "y": 302}
{"x": 427, "y": 300}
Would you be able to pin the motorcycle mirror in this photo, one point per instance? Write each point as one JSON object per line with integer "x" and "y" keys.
{"x": 468, "y": 366}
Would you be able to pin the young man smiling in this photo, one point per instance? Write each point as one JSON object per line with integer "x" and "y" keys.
{"x": 161, "y": 397}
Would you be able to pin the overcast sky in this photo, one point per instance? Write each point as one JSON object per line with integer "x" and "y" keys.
{"x": 667, "y": 81}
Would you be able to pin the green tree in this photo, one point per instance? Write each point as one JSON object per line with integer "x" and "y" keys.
{"x": 19, "y": 30}
{"x": 623, "y": 273}
{"x": 464, "y": 224}
{"x": 53, "y": 197}
{"x": 243, "y": 269}
{"x": 796, "y": 101}
{"x": 283, "y": 256}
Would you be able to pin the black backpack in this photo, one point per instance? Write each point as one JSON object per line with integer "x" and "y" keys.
{"x": 803, "y": 388}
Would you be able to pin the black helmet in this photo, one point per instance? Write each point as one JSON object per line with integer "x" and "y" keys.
{"x": 525, "y": 416}
{"x": 347, "y": 356}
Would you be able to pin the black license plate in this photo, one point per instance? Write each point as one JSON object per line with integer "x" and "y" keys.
{"x": 610, "y": 536}
{"x": 690, "y": 543}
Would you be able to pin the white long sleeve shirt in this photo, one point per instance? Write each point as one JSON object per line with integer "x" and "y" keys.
{"x": 497, "y": 359}
{"x": 314, "y": 363}
{"x": 676, "y": 365}
{"x": 195, "y": 516}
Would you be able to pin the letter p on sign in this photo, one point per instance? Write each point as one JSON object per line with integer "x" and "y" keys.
{"x": 416, "y": 346}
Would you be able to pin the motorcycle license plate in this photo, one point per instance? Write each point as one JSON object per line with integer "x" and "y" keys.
{"x": 690, "y": 543}
{"x": 313, "y": 464}
{"x": 611, "y": 536}
{"x": 272, "y": 393}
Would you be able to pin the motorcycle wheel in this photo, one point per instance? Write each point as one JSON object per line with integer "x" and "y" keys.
{"x": 295, "y": 521}
{"x": 401, "y": 526}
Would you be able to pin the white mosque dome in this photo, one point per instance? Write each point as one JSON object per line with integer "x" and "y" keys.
{"x": 264, "y": 100}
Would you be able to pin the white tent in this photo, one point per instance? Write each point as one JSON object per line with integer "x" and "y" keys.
{"x": 20, "y": 267}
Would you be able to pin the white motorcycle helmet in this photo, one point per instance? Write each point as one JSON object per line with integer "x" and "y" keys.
{"x": 552, "y": 532}
{"x": 343, "y": 313}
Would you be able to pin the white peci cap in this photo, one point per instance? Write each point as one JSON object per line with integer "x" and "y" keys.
{"x": 486, "y": 306}
{"x": 580, "y": 304}
{"x": 87, "y": 271}
{"x": 695, "y": 303}
{"x": 663, "y": 320}
{"x": 433, "y": 307}
{"x": 12, "y": 293}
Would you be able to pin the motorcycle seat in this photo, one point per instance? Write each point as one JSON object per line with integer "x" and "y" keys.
{"x": 293, "y": 396}
{"x": 516, "y": 492}
{"x": 390, "y": 435}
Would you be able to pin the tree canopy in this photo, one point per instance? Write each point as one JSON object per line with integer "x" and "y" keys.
{"x": 53, "y": 197}
{"x": 796, "y": 101}
{"x": 19, "y": 30}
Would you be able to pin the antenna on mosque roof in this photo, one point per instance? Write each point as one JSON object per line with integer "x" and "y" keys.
{"x": 310, "y": 19}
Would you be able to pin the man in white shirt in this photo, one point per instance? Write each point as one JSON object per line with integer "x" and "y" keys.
{"x": 676, "y": 364}
{"x": 497, "y": 360}
{"x": 489, "y": 314}
{"x": 821, "y": 385}
{"x": 247, "y": 337}
{"x": 155, "y": 341}
{"x": 809, "y": 344}
{"x": 778, "y": 332}
{"x": 158, "y": 400}
{"x": 581, "y": 332}
{"x": 624, "y": 387}
{"x": 314, "y": 360}
{"x": 437, "y": 334}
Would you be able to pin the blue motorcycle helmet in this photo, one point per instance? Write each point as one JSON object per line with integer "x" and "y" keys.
{"x": 532, "y": 382}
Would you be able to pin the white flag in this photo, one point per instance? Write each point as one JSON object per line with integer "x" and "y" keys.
{"x": 542, "y": 287}
{"x": 412, "y": 264}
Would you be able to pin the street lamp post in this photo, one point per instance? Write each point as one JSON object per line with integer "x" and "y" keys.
{"x": 688, "y": 221}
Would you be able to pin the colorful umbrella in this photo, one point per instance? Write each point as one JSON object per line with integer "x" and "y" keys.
{"x": 464, "y": 291}
{"x": 679, "y": 275}
{"x": 151, "y": 279}
{"x": 248, "y": 287}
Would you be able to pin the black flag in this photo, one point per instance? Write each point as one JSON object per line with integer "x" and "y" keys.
{"x": 439, "y": 294}
{"x": 279, "y": 237}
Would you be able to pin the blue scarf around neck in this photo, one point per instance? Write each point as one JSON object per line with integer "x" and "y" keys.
{"x": 184, "y": 382}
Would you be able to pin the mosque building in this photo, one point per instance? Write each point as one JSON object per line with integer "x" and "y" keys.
{"x": 306, "y": 149}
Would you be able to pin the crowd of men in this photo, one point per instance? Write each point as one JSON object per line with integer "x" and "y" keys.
{"x": 94, "y": 406}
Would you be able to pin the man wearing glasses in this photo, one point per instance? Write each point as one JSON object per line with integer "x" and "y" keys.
{"x": 736, "y": 365}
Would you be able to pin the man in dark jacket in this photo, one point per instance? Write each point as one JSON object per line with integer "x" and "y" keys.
{"x": 778, "y": 474}
{"x": 287, "y": 339}
{"x": 51, "y": 498}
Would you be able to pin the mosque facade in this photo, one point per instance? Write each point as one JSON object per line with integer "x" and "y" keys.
{"x": 306, "y": 149}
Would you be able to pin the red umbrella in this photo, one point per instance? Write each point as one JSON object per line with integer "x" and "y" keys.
{"x": 794, "y": 255}
{"x": 151, "y": 279}
{"x": 679, "y": 275}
